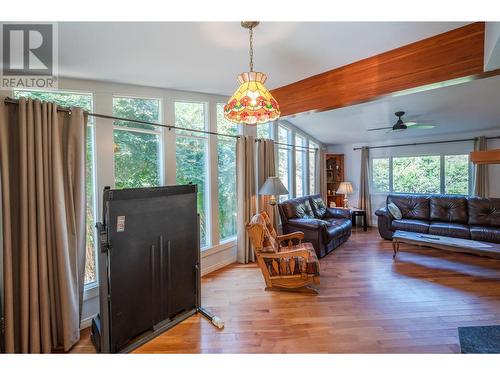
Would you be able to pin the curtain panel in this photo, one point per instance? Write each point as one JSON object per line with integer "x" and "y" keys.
{"x": 43, "y": 215}
{"x": 247, "y": 202}
{"x": 481, "y": 170}
{"x": 320, "y": 173}
{"x": 266, "y": 167}
{"x": 364, "y": 185}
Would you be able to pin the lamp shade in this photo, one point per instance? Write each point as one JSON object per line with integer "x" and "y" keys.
{"x": 252, "y": 103}
{"x": 273, "y": 186}
{"x": 345, "y": 188}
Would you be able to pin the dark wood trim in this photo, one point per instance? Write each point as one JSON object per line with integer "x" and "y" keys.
{"x": 485, "y": 157}
{"x": 445, "y": 57}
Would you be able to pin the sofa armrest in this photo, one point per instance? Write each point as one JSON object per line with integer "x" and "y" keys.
{"x": 384, "y": 212}
{"x": 384, "y": 223}
{"x": 338, "y": 213}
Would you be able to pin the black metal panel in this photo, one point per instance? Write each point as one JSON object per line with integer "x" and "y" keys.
{"x": 152, "y": 259}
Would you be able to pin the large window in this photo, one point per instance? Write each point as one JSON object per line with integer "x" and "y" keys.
{"x": 284, "y": 158}
{"x": 427, "y": 174}
{"x": 264, "y": 130}
{"x": 226, "y": 160}
{"x": 456, "y": 174}
{"x": 137, "y": 146}
{"x": 313, "y": 153}
{"x": 83, "y": 100}
{"x": 380, "y": 174}
{"x": 300, "y": 166}
{"x": 191, "y": 158}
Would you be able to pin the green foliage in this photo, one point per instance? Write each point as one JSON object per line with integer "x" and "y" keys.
{"x": 416, "y": 174}
{"x": 456, "y": 169}
{"x": 264, "y": 130}
{"x": 421, "y": 174}
{"x": 380, "y": 173}
{"x": 225, "y": 126}
{"x": 137, "y": 155}
{"x": 226, "y": 159}
{"x": 227, "y": 188}
{"x": 191, "y": 151}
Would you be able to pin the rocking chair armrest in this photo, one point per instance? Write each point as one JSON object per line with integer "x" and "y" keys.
{"x": 287, "y": 254}
{"x": 289, "y": 237}
{"x": 284, "y": 237}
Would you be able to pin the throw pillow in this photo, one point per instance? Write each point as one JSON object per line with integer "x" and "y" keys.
{"x": 395, "y": 211}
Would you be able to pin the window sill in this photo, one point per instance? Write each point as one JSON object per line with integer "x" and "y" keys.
{"x": 229, "y": 243}
{"x": 91, "y": 291}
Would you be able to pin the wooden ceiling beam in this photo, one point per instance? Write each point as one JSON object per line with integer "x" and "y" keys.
{"x": 449, "y": 56}
{"x": 485, "y": 157}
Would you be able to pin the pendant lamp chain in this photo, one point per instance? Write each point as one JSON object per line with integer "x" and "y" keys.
{"x": 250, "y": 30}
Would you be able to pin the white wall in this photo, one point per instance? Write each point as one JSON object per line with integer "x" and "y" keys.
{"x": 352, "y": 160}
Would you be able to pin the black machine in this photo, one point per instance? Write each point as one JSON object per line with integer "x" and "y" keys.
{"x": 149, "y": 265}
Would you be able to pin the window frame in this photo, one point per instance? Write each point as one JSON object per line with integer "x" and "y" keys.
{"x": 208, "y": 168}
{"x": 303, "y": 152}
{"x": 442, "y": 172}
{"x": 226, "y": 140}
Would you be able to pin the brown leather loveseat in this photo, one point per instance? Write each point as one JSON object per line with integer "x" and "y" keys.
{"x": 443, "y": 215}
{"x": 326, "y": 228}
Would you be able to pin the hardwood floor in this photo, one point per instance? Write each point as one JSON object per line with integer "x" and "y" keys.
{"x": 367, "y": 303}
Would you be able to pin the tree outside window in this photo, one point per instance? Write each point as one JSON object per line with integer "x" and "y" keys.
{"x": 191, "y": 158}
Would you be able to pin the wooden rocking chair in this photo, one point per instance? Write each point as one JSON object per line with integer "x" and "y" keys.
{"x": 286, "y": 263}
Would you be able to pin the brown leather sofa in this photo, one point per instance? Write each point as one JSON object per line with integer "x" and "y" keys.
{"x": 326, "y": 228}
{"x": 443, "y": 215}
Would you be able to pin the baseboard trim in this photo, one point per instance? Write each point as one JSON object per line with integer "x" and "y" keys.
{"x": 86, "y": 323}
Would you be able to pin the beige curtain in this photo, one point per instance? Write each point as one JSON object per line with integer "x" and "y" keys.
{"x": 364, "y": 185}
{"x": 266, "y": 167}
{"x": 320, "y": 173}
{"x": 481, "y": 170}
{"x": 247, "y": 202}
{"x": 43, "y": 199}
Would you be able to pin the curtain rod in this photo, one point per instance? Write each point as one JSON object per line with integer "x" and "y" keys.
{"x": 169, "y": 127}
{"x": 422, "y": 143}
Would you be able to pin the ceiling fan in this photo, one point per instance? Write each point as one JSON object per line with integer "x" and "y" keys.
{"x": 401, "y": 125}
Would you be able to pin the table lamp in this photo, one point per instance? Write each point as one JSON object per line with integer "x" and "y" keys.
{"x": 273, "y": 187}
{"x": 345, "y": 188}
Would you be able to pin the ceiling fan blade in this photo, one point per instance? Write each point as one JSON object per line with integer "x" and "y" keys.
{"x": 386, "y": 127}
{"x": 421, "y": 126}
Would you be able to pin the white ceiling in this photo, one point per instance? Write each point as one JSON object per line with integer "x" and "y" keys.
{"x": 207, "y": 57}
{"x": 471, "y": 106}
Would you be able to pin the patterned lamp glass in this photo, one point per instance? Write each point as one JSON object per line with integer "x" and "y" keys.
{"x": 252, "y": 103}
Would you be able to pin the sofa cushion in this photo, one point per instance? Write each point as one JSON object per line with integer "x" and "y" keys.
{"x": 338, "y": 227}
{"x": 318, "y": 206}
{"x": 484, "y": 211}
{"x": 297, "y": 208}
{"x": 395, "y": 211}
{"x": 488, "y": 234}
{"x": 456, "y": 230}
{"x": 411, "y": 225}
{"x": 411, "y": 206}
{"x": 448, "y": 209}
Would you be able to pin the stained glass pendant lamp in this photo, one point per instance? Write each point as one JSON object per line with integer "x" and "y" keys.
{"x": 252, "y": 103}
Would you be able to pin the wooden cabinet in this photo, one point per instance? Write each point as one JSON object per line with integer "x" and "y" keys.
{"x": 334, "y": 176}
